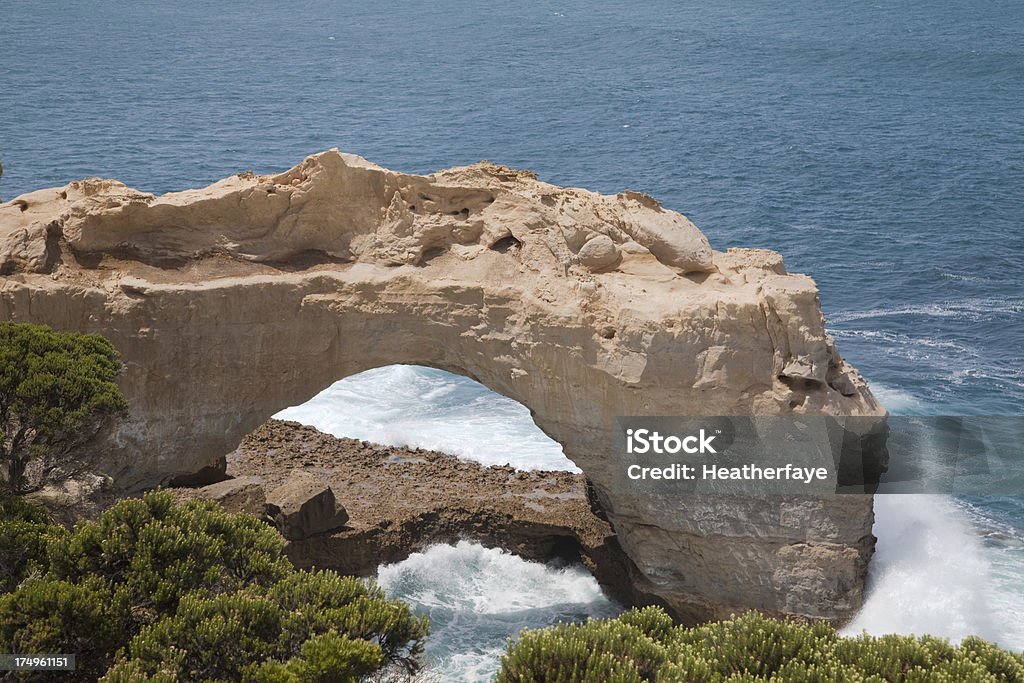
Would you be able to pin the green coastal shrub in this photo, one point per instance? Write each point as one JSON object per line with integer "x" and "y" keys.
{"x": 159, "y": 551}
{"x": 56, "y": 391}
{"x": 642, "y": 645}
{"x": 154, "y": 591}
{"x": 327, "y": 658}
{"x": 26, "y": 535}
{"x": 88, "y": 618}
{"x": 292, "y": 623}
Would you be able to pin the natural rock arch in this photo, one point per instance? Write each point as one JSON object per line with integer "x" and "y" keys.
{"x": 235, "y": 301}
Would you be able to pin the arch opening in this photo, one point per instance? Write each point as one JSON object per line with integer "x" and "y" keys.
{"x": 422, "y": 407}
{"x": 418, "y": 455}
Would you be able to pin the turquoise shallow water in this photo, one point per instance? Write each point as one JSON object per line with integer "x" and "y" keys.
{"x": 879, "y": 146}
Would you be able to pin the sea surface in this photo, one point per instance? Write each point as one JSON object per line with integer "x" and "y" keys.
{"x": 879, "y": 146}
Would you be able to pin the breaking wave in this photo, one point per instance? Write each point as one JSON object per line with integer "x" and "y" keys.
{"x": 477, "y": 598}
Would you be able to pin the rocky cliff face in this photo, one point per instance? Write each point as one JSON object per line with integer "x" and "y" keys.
{"x": 234, "y": 301}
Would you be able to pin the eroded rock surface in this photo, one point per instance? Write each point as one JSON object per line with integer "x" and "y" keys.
{"x": 401, "y": 501}
{"x": 241, "y": 494}
{"x": 231, "y": 302}
{"x": 304, "y": 506}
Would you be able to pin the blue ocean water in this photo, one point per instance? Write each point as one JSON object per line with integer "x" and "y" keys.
{"x": 879, "y": 146}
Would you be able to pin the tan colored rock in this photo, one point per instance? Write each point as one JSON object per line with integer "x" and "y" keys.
{"x": 599, "y": 253}
{"x": 241, "y": 494}
{"x": 304, "y": 506}
{"x": 335, "y": 204}
{"x": 401, "y": 501}
{"x": 232, "y": 302}
{"x": 24, "y": 248}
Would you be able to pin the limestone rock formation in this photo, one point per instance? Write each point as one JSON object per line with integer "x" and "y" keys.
{"x": 304, "y": 506}
{"x": 231, "y": 302}
{"x": 341, "y": 207}
{"x": 240, "y": 494}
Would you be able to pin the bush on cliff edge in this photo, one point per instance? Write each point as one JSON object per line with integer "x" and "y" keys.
{"x": 154, "y": 591}
{"x": 643, "y": 645}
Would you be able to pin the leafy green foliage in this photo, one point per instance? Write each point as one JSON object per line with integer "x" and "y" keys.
{"x": 56, "y": 391}
{"x": 47, "y": 615}
{"x": 753, "y": 644}
{"x": 354, "y": 608}
{"x": 210, "y": 638}
{"x": 25, "y": 537}
{"x": 327, "y": 658}
{"x": 154, "y": 591}
{"x": 642, "y": 645}
{"x": 598, "y": 650}
{"x": 331, "y": 658}
{"x": 159, "y": 551}
{"x": 14, "y": 508}
{"x": 311, "y": 626}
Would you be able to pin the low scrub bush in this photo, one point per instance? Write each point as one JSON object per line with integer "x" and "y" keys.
{"x": 26, "y": 535}
{"x": 154, "y": 591}
{"x": 57, "y": 391}
{"x": 643, "y": 645}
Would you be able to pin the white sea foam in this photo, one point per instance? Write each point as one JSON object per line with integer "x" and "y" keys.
{"x": 981, "y": 308}
{"x": 931, "y": 574}
{"x": 477, "y": 598}
{"x": 897, "y": 401}
{"x": 900, "y": 339}
{"x": 926, "y": 573}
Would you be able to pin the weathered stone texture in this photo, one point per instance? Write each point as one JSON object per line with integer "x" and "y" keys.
{"x": 231, "y": 302}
